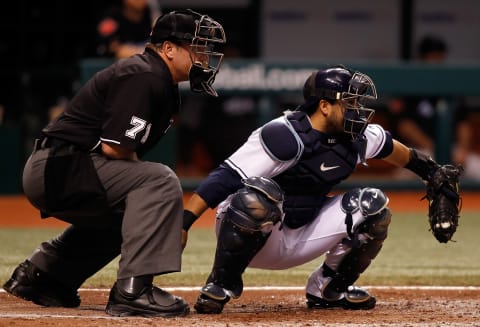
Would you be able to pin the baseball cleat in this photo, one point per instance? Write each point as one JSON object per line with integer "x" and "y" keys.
{"x": 207, "y": 305}
{"x": 355, "y": 298}
{"x": 151, "y": 302}
{"x": 31, "y": 284}
{"x": 211, "y": 300}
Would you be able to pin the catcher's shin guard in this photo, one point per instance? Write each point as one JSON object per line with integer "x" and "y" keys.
{"x": 371, "y": 233}
{"x": 235, "y": 250}
{"x": 243, "y": 232}
{"x": 331, "y": 285}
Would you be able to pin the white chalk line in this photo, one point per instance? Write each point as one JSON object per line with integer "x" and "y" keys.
{"x": 299, "y": 288}
{"x": 250, "y": 288}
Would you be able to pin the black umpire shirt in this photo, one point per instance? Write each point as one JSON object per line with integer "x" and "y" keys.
{"x": 130, "y": 104}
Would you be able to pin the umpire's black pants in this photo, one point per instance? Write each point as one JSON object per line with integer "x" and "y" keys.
{"x": 143, "y": 224}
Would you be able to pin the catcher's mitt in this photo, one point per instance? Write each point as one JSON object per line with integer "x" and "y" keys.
{"x": 444, "y": 199}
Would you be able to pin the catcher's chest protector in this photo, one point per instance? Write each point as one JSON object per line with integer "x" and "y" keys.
{"x": 325, "y": 162}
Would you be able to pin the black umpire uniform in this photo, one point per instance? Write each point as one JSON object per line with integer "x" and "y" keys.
{"x": 131, "y": 102}
{"x": 124, "y": 207}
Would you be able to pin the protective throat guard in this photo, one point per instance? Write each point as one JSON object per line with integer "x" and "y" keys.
{"x": 201, "y": 80}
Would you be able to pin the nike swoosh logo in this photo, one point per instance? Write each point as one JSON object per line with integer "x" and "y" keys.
{"x": 327, "y": 168}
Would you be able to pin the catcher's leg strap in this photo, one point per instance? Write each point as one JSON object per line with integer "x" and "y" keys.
{"x": 245, "y": 228}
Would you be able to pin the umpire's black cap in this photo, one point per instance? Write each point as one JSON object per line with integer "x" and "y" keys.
{"x": 174, "y": 26}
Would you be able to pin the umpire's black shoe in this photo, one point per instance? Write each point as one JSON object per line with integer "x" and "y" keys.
{"x": 151, "y": 301}
{"x": 211, "y": 300}
{"x": 32, "y": 284}
{"x": 355, "y": 298}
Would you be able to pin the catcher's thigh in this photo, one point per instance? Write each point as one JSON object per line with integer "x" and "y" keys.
{"x": 288, "y": 247}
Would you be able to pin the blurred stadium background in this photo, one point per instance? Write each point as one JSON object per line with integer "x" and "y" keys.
{"x": 48, "y": 49}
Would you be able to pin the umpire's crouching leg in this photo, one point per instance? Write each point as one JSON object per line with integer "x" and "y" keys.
{"x": 152, "y": 222}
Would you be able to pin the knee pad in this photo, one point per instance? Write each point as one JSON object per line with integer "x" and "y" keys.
{"x": 257, "y": 206}
{"x": 372, "y": 203}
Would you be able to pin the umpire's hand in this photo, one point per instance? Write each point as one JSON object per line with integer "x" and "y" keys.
{"x": 184, "y": 238}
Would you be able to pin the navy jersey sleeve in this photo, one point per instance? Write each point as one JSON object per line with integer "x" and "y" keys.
{"x": 129, "y": 102}
{"x": 219, "y": 184}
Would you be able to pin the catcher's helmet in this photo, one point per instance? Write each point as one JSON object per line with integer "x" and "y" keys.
{"x": 202, "y": 33}
{"x": 351, "y": 88}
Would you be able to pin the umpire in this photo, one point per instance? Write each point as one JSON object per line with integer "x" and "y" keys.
{"x": 85, "y": 170}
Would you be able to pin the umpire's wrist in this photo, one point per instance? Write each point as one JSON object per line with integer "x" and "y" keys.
{"x": 188, "y": 219}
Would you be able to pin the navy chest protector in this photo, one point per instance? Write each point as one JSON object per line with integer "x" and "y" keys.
{"x": 324, "y": 162}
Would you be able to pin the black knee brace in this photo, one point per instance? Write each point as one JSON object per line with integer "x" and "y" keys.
{"x": 250, "y": 217}
{"x": 369, "y": 236}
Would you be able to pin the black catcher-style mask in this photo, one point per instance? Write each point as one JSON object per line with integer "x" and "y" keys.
{"x": 353, "y": 89}
{"x": 202, "y": 33}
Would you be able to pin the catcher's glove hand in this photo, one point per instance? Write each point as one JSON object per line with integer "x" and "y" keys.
{"x": 444, "y": 201}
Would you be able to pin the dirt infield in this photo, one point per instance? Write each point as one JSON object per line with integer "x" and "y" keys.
{"x": 396, "y": 306}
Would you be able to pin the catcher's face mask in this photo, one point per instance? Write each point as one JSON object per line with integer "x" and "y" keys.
{"x": 351, "y": 89}
{"x": 357, "y": 116}
{"x": 206, "y": 61}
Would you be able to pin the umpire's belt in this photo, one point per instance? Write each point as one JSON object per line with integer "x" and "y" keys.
{"x": 53, "y": 143}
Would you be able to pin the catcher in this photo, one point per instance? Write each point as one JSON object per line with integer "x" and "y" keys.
{"x": 274, "y": 208}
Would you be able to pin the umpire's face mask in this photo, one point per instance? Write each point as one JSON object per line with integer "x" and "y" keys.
{"x": 205, "y": 66}
{"x": 205, "y": 60}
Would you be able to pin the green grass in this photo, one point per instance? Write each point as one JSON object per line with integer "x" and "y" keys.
{"x": 410, "y": 256}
